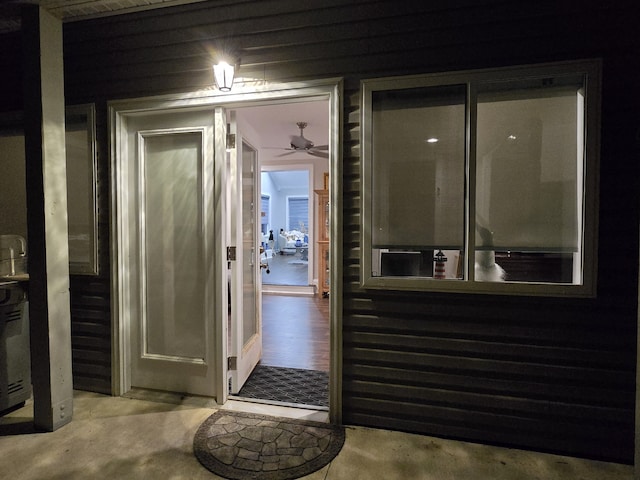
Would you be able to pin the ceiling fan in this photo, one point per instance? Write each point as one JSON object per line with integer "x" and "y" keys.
{"x": 300, "y": 143}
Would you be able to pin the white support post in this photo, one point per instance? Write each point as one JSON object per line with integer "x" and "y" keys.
{"x": 49, "y": 310}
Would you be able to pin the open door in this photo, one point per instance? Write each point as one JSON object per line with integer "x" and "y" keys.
{"x": 245, "y": 323}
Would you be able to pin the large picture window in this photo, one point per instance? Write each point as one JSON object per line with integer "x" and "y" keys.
{"x": 482, "y": 181}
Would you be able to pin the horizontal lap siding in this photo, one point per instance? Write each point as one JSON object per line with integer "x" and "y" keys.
{"x": 548, "y": 374}
{"x": 91, "y": 334}
{"x": 465, "y": 372}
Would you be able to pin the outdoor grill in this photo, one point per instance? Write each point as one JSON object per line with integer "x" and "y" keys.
{"x": 15, "y": 365}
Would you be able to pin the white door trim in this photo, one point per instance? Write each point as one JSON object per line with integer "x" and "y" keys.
{"x": 119, "y": 110}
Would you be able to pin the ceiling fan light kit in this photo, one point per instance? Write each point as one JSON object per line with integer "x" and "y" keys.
{"x": 300, "y": 143}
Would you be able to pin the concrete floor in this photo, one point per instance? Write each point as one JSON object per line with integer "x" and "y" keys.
{"x": 125, "y": 438}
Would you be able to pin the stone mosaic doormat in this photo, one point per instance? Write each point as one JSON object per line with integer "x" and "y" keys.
{"x": 247, "y": 446}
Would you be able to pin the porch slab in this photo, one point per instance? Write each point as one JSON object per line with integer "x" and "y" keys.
{"x": 117, "y": 437}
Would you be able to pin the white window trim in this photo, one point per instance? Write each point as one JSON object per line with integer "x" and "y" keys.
{"x": 591, "y": 69}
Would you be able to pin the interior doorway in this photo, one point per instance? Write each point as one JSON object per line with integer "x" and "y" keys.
{"x": 288, "y": 217}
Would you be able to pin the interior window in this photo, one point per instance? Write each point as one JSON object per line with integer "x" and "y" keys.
{"x": 298, "y": 213}
{"x": 265, "y": 213}
{"x": 482, "y": 181}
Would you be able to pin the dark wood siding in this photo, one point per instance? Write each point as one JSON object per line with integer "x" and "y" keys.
{"x": 91, "y": 334}
{"x": 547, "y": 374}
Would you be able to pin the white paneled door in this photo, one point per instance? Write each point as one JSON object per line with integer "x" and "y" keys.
{"x": 171, "y": 246}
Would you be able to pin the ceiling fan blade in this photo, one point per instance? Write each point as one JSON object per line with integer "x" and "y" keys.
{"x": 285, "y": 154}
{"x": 320, "y": 147}
{"x": 318, "y": 154}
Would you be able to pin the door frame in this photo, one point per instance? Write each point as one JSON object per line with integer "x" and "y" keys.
{"x": 248, "y": 94}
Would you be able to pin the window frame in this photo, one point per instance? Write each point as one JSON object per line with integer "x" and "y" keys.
{"x": 591, "y": 71}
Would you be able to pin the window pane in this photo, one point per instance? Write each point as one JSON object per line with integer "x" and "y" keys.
{"x": 418, "y": 178}
{"x": 529, "y": 162}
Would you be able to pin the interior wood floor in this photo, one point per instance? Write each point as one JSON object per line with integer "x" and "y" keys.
{"x": 295, "y": 332}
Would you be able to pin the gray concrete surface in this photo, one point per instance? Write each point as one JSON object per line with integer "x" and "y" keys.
{"x": 125, "y": 438}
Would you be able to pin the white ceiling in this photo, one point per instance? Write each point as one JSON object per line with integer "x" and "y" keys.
{"x": 276, "y": 123}
{"x": 284, "y": 179}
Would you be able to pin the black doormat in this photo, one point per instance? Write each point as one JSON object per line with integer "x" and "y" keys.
{"x": 246, "y": 446}
{"x": 287, "y": 385}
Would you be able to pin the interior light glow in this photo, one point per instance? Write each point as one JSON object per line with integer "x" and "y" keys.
{"x": 432, "y": 140}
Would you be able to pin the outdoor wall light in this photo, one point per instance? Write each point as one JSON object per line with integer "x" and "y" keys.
{"x": 223, "y": 74}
